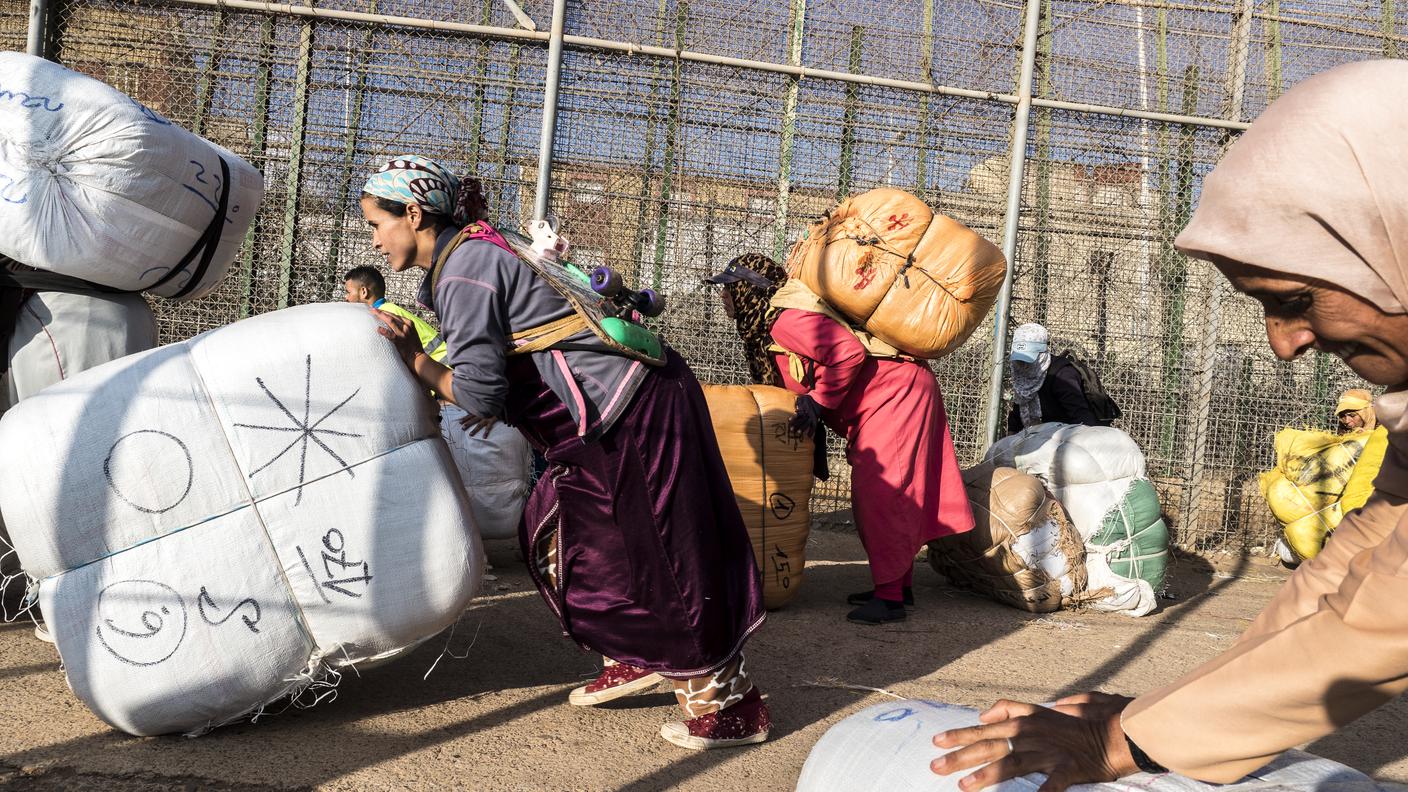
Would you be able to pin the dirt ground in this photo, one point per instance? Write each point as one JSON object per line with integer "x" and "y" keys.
{"x": 498, "y": 718}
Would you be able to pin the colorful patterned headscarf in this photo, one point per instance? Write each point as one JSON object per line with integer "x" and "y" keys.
{"x": 754, "y": 314}
{"x": 412, "y": 179}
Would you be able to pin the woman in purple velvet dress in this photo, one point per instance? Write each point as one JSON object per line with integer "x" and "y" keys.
{"x": 633, "y": 535}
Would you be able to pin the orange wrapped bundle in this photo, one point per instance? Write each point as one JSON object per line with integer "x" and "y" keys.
{"x": 919, "y": 281}
{"x": 771, "y": 471}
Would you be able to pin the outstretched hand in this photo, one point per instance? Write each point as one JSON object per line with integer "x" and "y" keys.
{"x": 1078, "y": 742}
{"x": 402, "y": 334}
{"x": 473, "y": 424}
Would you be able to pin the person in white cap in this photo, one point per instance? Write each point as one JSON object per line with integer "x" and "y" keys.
{"x": 1045, "y": 387}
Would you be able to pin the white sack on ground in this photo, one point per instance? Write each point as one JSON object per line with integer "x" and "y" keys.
{"x": 888, "y": 748}
{"x": 95, "y": 186}
{"x": 496, "y": 470}
{"x": 219, "y": 522}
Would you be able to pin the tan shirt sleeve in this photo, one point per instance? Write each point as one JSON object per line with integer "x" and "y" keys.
{"x": 1331, "y": 646}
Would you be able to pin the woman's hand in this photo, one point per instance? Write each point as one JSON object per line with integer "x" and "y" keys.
{"x": 807, "y": 416}
{"x": 402, "y": 335}
{"x": 1016, "y": 739}
{"x": 473, "y": 424}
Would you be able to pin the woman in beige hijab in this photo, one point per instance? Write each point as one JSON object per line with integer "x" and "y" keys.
{"x": 1308, "y": 214}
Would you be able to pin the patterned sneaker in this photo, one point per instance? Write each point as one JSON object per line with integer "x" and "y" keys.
{"x": 616, "y": 681}
{"x": 42, "y": 633}
{"x": 743, "y": 723}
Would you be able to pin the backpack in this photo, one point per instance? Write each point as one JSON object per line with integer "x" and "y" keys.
{"x": 1104, "y": 407}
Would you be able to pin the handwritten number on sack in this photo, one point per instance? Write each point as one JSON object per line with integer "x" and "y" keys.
{"x": 205, "y": 600}
{"x": 335, "y": 553}
{"x": 779, "y": 567}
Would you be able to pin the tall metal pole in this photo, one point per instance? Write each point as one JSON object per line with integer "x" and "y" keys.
{"x": 1235, "y": 89}
{"x": 1014, "y": 206}
{"x": 38, "y": 28}
{"x": 549, "y": 128}
{"x": 796, "y": 26}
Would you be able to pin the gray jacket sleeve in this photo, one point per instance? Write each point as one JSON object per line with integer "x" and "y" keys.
{"x": 473, "y": 318}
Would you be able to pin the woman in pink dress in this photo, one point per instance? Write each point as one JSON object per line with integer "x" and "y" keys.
{"x": 906, "y": 488}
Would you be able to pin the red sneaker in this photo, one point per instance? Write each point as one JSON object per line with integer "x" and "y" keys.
{"x": 743, "y": 723}
{"x": 616, "y": 681}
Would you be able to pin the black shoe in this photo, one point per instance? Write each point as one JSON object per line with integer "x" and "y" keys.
{"x": 860, "y": 598}
{"x": 878, "y": 611}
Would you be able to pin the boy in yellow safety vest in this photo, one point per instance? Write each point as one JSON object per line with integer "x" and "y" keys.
{"x": 367, "y": 286}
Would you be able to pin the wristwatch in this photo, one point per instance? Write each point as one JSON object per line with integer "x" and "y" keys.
{"x": 1142, "y": 760}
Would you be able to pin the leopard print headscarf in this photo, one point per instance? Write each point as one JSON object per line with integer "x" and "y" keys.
{"x": 754, "y": 316}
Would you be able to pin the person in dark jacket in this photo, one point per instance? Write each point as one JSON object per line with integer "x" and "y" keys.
{"x": 1045, "y": 387}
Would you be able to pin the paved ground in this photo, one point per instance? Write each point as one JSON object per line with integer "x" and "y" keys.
{"x": 499, "y": 718}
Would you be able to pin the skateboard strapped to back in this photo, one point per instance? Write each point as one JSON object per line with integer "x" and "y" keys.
{"x": 600, "y": 300}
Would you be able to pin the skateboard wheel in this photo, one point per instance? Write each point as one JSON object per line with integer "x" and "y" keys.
{"x": 650, "y": 302}
{"x": 606, "y": 282}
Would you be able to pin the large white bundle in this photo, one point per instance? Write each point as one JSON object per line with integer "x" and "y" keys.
{"x": 1087, "y": 468}
{"x": 888, "y": 748}
{"x": 496, "y": 470}
{"x": 215, "y": 523}
{"x": 1094, "y": 471}
{"x": 96, "y": 186}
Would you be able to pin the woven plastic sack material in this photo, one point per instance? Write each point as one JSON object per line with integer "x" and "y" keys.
{"x": 888, "y": 748}
{"x": 496, "y": 470}
{"x": 223, "y": 521}
{"x": 59, "y": 334}
{"x": 96, "y": 186}
{"x": 1021, "y": 552}
{"x": 1134, "y": 537}
{"x": 919, "y": 281}
{"x": 1304, "y": 489}
{"x": 1091, "y": 471}
{"x": 771, "y": 471}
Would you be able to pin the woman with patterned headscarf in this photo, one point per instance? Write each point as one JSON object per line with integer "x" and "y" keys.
{"x": 1308, "y": 214}
{"x": 748, "y": 284}
{"x": 633, "y": 535}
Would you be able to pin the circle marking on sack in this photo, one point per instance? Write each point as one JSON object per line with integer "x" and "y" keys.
{"x": 155, "y": 635}
{"x": 132, "y": 471}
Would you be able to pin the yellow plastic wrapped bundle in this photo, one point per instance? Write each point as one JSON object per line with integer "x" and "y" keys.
{"x": 1304, "y": 489}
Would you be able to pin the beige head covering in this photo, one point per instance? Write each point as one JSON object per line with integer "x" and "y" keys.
{"x": 1318, "y": 186}
{"x": 1358, "y": 400}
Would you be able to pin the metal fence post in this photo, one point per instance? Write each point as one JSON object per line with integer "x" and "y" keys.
{"x": 288, "y": 246}
{"x": 1017, "y": 164}
{"x": 1387, "y": 23}
{"x": 37, "y": 42}
{"x": 549, "y": 127}
{"x": 796, "y": 27}
{"x": 263, "y": 87}
{"x": 1202, "y": 409}
{"x": 672, "y": 134}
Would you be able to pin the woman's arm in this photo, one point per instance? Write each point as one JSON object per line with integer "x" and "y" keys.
{"x": 433, "y": 376}
{"x": 839, "y": 355}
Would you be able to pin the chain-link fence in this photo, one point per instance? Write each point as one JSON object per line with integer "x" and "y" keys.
{"x": 688, "y": 131}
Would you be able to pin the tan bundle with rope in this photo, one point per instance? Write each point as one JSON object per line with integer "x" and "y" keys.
{"x": 916, "y": 280}
{"x": 771, "y": 470}
{"x": 1022, "y": 551}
